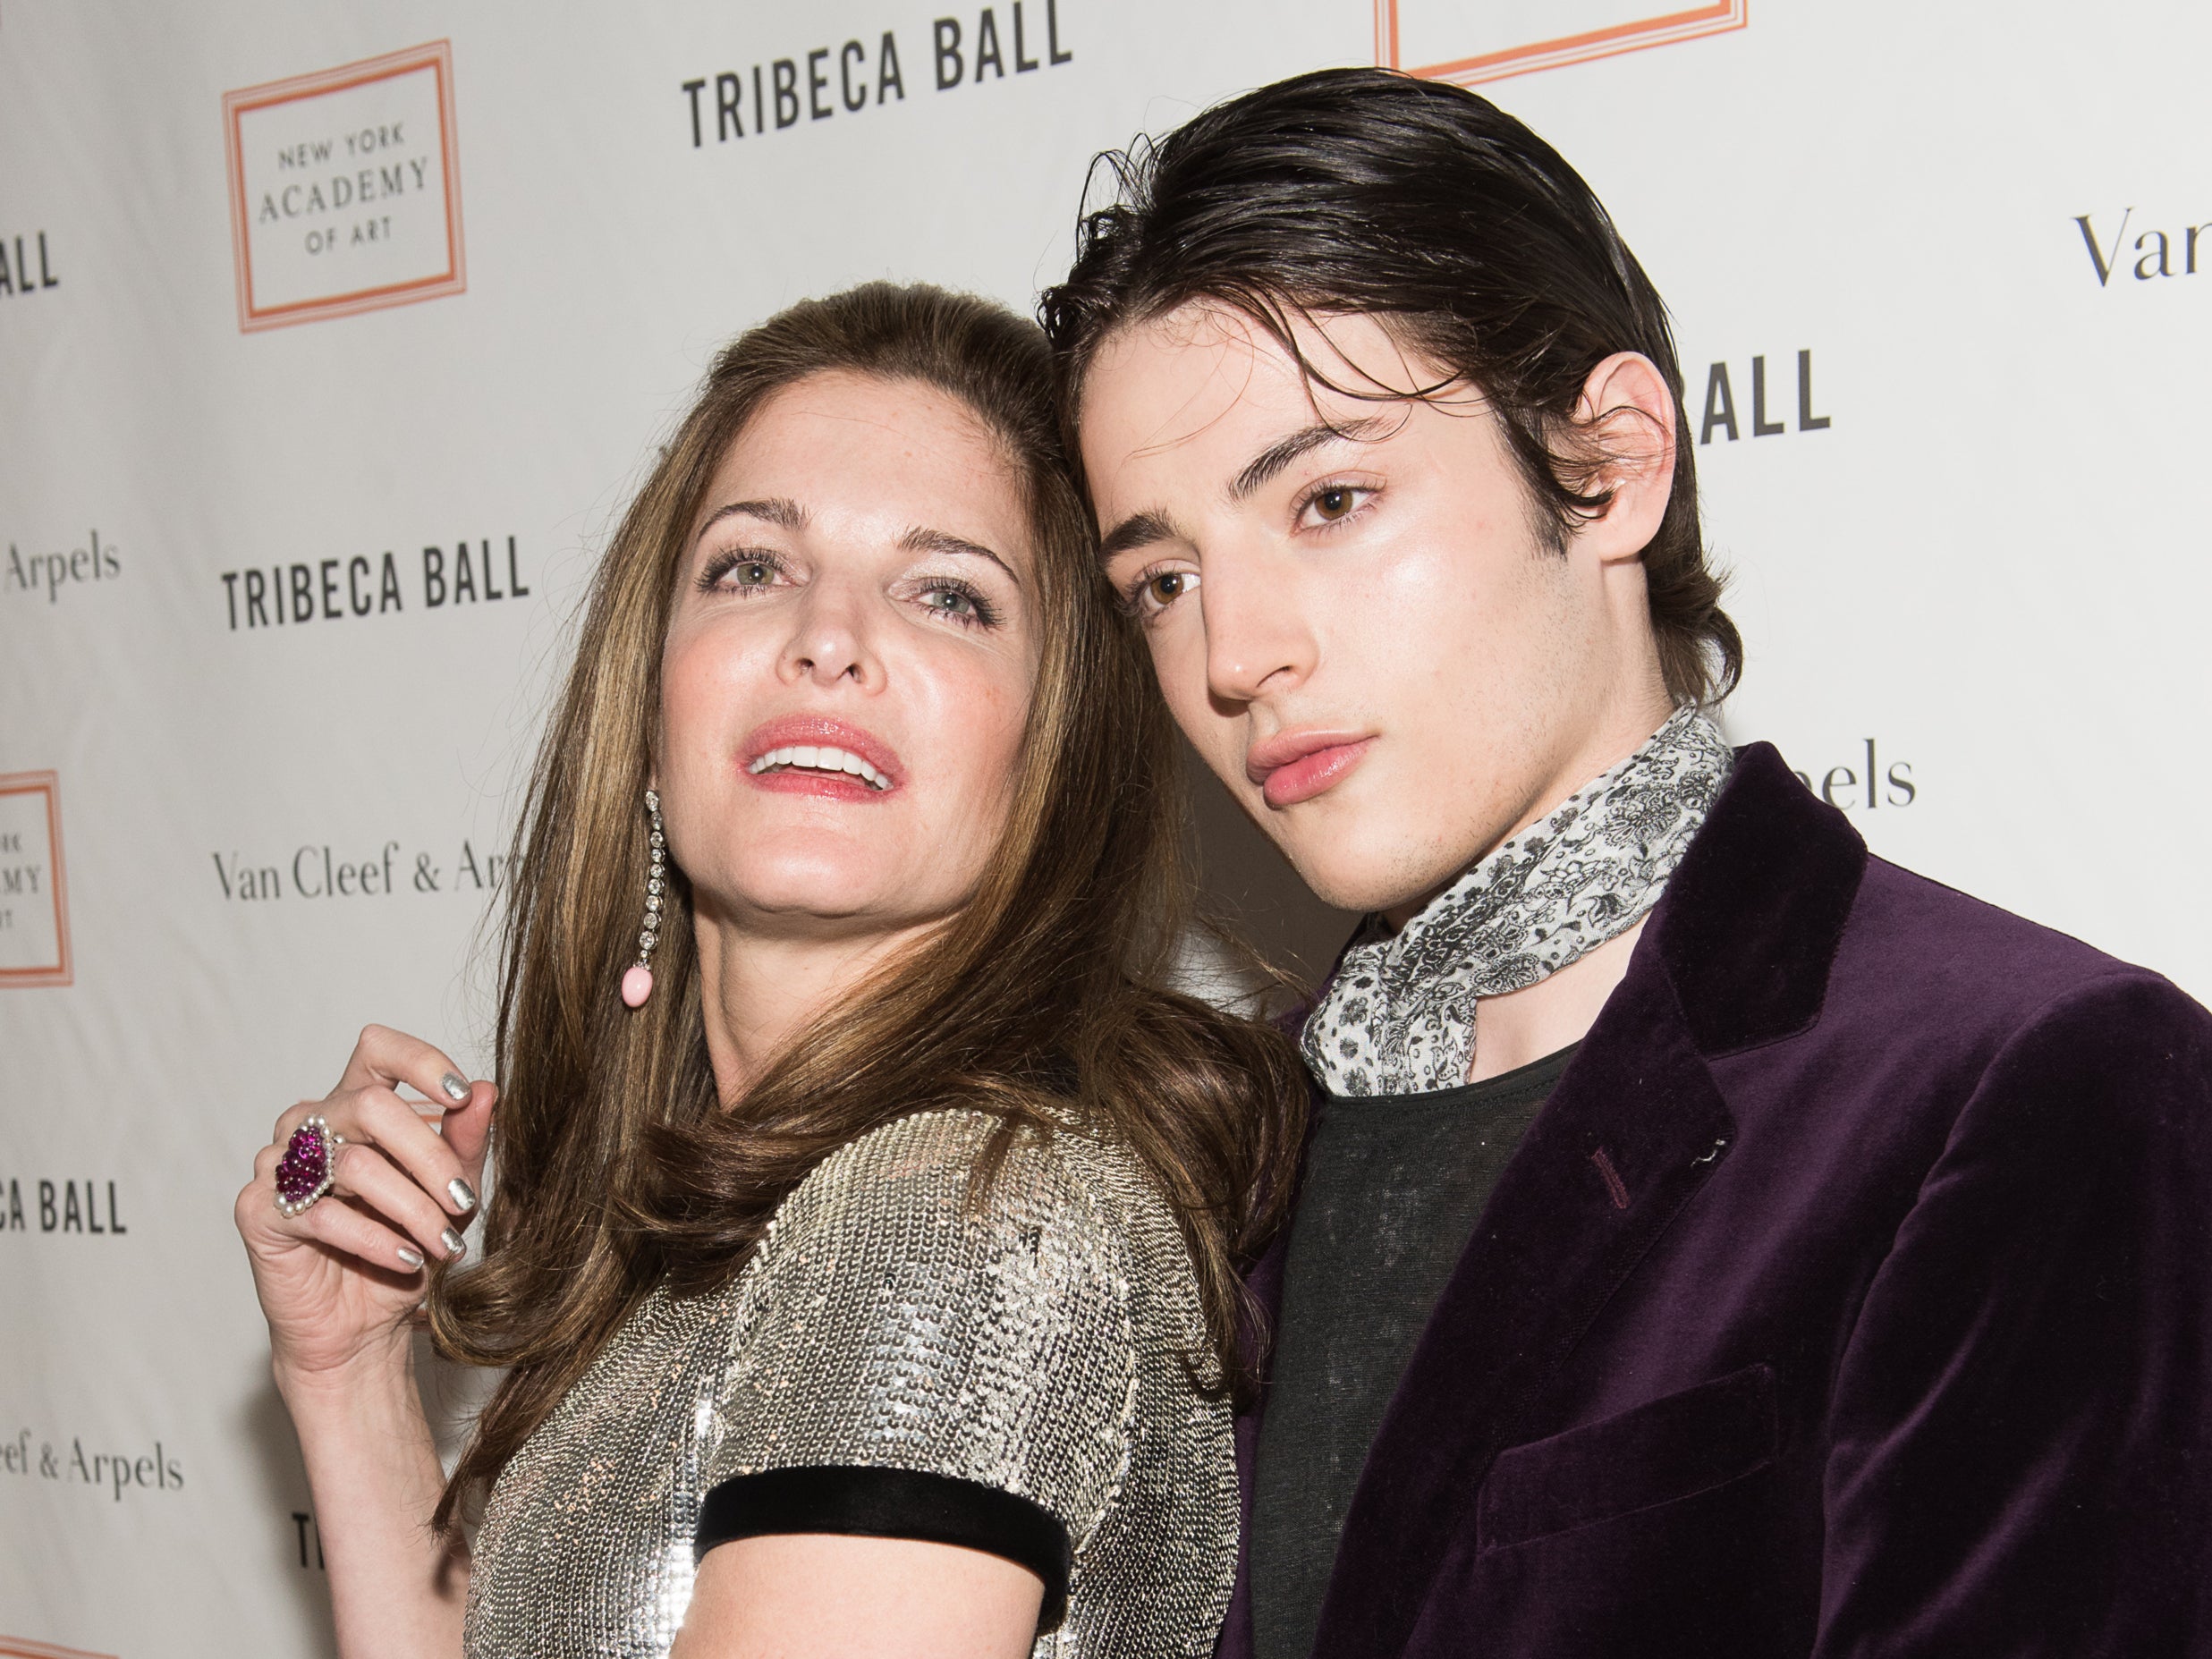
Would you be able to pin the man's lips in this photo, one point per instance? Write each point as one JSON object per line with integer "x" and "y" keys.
{"x": 816, "y": 755}
{"x": 1292, "y": 767}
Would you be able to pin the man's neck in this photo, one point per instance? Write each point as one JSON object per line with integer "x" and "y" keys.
{"x": 1513, "y": 1030}
{"x": 1603, "y": 746}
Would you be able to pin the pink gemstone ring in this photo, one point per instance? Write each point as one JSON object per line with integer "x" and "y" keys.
{"x": 303, "y": 1175}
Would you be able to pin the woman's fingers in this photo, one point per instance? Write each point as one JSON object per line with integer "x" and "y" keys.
{"x": 256, "y": 1211}
{"x": 290, "y": 1119}
{"x": 342, "y": 1227}
{"x": 389, "y": 1058}
{"x": 419, "y": 1228}
{"x": 364, "y": 1174}
{"x": 377, "y": 1115}
{"x": 468, "y": 1129}
{"x": 402, "y": 1193}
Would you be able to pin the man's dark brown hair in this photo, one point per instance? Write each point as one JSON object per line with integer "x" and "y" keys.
{"x": 1469, "y": 237}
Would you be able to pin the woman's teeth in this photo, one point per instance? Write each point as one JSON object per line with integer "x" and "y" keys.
{"x": 819, "y": 759}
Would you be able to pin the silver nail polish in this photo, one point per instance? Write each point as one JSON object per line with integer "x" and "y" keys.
{"x": 456, "y": 1089}
{"x": 462, "y": 1195}
{"x": 455, "y": 1245}
{"x": 409, "y": 1259}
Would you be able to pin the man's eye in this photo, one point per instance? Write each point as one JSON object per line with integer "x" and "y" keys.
{"x": 1337, "y": 502}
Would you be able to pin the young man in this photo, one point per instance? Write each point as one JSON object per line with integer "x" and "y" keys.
{"x": 1713, "y": 1239}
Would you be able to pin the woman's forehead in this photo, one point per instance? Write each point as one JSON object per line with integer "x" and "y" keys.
{"x": 836, "y": 411}
{"x": 851, "y": 445}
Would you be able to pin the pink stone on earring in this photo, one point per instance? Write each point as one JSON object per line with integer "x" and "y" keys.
{"x": 638, "y": 982}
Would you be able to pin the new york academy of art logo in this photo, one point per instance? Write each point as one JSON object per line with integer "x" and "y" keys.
{"x": 34, "y": 898}
{"x": 346, "y": 189}
{"x": 1471, "y": 42}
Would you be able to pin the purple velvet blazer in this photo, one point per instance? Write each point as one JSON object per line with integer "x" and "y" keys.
{"x": 1852, "y": 1295}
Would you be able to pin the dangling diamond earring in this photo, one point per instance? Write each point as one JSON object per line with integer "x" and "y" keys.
{"x": 637, "y": 983}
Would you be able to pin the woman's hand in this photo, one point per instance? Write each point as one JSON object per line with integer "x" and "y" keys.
{"x": 338, "y": 1281}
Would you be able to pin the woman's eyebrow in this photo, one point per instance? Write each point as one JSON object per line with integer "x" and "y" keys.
{"x": 780, "y": 510}
{"x": 922, "y": 540}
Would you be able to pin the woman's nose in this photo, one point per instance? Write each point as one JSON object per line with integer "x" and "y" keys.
{"x": 829, "y": 640}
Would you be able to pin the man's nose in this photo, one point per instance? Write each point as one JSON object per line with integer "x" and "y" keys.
{"x": 1257, "y": 637}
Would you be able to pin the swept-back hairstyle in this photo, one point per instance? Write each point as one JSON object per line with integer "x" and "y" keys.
{"x": 618, "y": 1167}
{"x": 1433, "y": 211}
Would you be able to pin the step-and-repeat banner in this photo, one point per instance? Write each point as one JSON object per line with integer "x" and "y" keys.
{"x": 331, "y": 339}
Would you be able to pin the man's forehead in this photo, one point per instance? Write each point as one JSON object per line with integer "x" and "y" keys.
{"x": 1157, "y": 398}
{"x": 1209, "y": 370}
{"x": 1180, "y": 387}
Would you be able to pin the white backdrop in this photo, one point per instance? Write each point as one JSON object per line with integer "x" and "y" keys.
{"x": 322, "y": 346}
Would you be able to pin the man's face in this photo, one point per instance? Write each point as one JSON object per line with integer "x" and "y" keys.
{"x": 1349, "y": 601}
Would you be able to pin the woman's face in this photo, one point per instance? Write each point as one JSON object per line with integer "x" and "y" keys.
{"x": 849, "y": 662}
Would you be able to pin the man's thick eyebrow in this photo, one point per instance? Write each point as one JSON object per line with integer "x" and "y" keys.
{"x": 922, "y": 540}
{"x": 1279, "y": 454}
{"x": 777, "y": 509}
{"x": 1140, "y": 530}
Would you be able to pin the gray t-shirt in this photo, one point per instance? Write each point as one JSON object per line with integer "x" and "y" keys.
{"x": 1393, "y": 1188}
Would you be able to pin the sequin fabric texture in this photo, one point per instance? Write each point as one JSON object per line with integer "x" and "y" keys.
{"x": 1036, "y": 1344}
{"x": 1399, "y": 1017}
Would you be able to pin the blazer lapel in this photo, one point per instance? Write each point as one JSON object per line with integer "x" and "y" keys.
{"x": 1736, "y": 953}
{"x": 1634, "y": 1129}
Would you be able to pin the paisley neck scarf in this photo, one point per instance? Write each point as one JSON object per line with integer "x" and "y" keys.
{"x": 1399, "y": 1017}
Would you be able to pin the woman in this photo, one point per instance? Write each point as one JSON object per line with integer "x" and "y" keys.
{"x": 874, "y": 1246}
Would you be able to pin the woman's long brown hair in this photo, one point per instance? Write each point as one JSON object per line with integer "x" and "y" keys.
{"x": 617, "y": 1166}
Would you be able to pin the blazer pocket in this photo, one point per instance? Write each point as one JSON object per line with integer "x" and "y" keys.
{"x": 1658, "y": 1452}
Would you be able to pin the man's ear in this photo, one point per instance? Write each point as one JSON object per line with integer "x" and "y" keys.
{"x": 1625, "y": 419}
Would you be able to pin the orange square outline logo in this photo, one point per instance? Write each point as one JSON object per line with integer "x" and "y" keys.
{"x": 1718, "y": 17}
{"x": 47, "y": 783}
{"x": 23, "y": 1647}
{"x": 437, "y": 55}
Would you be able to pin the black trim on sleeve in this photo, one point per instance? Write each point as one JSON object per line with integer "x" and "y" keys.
{"x": 877, "y": 1502}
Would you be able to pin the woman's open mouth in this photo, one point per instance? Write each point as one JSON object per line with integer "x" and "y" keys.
{"x": 816, "y": 755}
{"x": 822, "y": 759}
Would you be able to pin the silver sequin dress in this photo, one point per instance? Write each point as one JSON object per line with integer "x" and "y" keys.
{"x": 1034, "y": 1346}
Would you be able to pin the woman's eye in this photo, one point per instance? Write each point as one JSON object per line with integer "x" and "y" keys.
{"x": 961, "y": 603}
{"x": 739, "y": 572}
{"x": 731, "y": 572}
